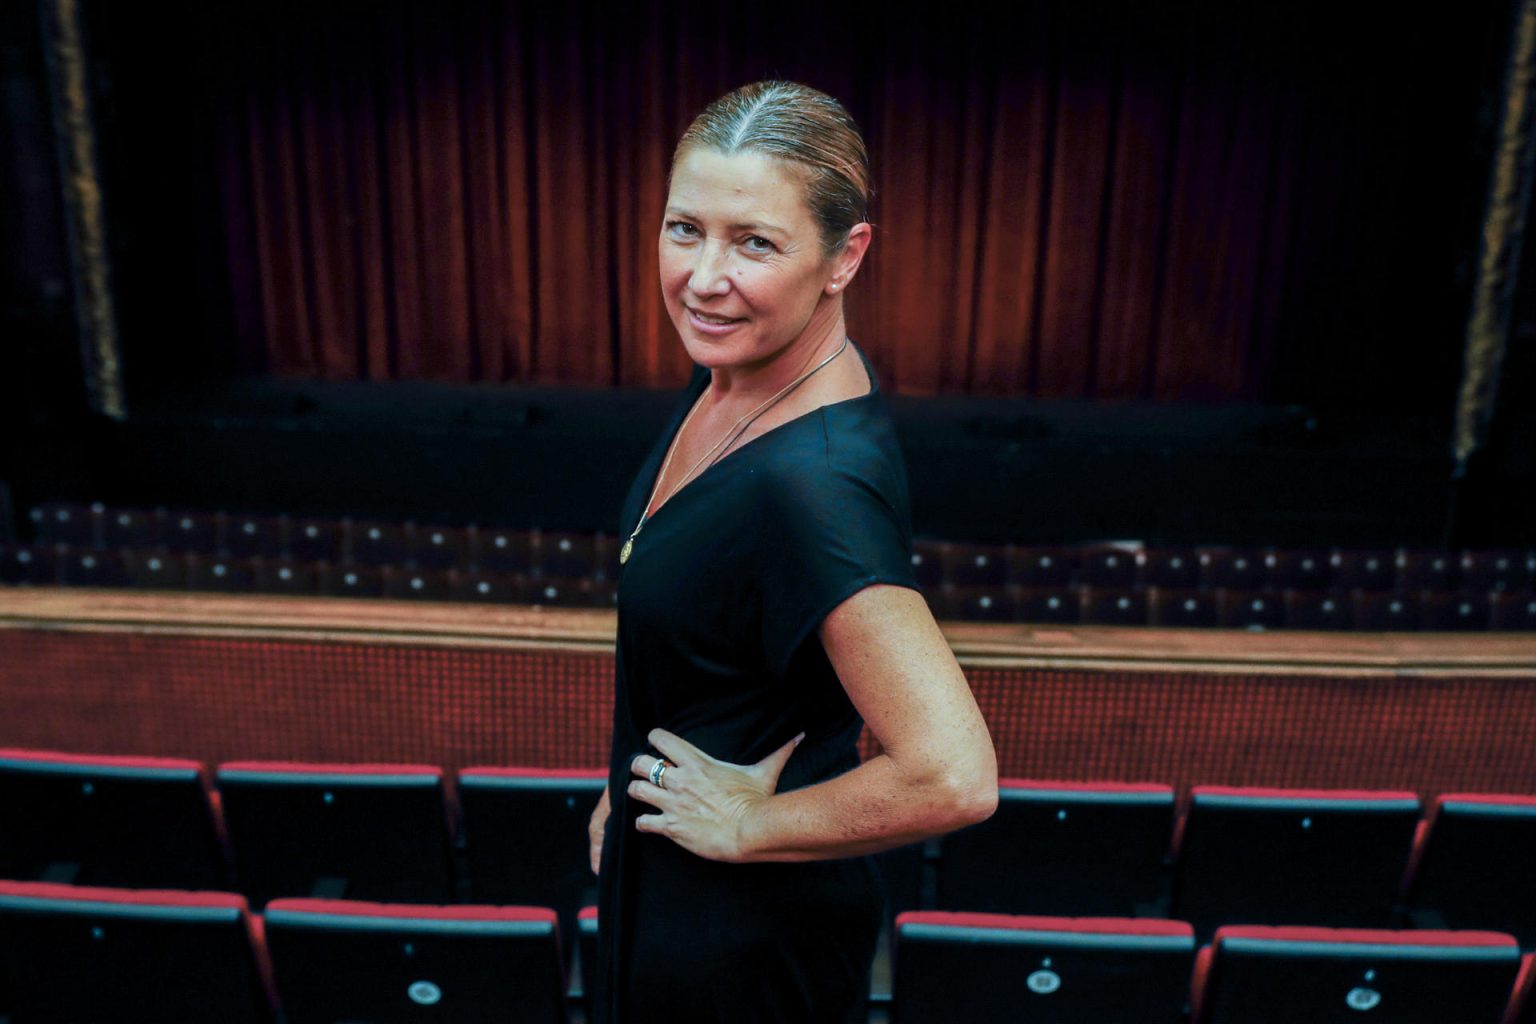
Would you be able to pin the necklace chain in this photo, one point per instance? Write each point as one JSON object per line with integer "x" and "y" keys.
{"x": 733, "y": 434}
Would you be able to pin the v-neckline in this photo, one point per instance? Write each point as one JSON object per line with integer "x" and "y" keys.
{"x": 874, "y": 387}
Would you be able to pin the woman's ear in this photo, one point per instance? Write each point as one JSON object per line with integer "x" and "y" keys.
{"x": 846, "y": 263}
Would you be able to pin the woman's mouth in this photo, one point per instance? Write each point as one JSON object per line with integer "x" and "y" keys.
{"x": 712, "y": 324}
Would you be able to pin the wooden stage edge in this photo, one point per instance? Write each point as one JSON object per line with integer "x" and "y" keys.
{"x": 1098, "y": 648}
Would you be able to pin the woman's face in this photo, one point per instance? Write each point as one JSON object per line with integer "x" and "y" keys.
{"x": 742, "y": 269}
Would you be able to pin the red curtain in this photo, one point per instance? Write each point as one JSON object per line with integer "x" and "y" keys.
{"x": 1067, "y": 204}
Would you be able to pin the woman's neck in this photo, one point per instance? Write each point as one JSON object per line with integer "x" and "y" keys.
{"x": 757, "y": 381}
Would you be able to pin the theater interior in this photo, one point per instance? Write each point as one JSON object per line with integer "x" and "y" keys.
{"x": 332, "y": 345}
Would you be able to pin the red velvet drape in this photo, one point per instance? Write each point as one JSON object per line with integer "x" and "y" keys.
{"x": 1069, "y": 202}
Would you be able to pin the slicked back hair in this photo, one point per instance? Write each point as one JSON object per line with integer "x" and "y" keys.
{"x": 803, "y": 127}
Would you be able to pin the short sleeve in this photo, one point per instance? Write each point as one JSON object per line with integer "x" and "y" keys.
{"x": 833, "y": 531}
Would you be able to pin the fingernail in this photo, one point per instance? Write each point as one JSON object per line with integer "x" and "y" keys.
{"x": 799, "y": 738}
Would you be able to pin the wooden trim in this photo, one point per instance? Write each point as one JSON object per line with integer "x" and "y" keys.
{"x": 68, "y": 60}
{"x": 978, "y": 645}
{"x": 330, "y": 619}
{"x": 1504, "y": 222}
{"x": 1231, "y": 650}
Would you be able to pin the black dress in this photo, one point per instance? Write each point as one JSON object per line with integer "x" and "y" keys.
{"x": 718, "y": 608}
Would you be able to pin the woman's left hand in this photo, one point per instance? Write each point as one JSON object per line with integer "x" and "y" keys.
{"x": 703, "y": 802}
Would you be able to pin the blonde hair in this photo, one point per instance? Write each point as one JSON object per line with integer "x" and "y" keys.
{"x": 803, "y": 127}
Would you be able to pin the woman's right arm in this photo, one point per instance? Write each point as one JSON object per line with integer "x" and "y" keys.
{"x": 936, "y": 770}
{"x": 595, "y": 829}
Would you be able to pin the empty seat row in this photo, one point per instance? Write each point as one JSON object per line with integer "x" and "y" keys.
{"x": 1241, "y": 609}
{"x": 340, "y": 541}
{"x": 156, "y": 570}
{"x": 387, "y": 832}
{"x": 396, "y": 833}
{"x": 74, "y": 954}
{"x": 988, "y": 967}
{"x": 83, "y": 954}
{"x": 936, "y": 562}
{"x": 1236, "y": 854}
{"x": 1131, "y": 565}
{"x": 1292, "y": 609}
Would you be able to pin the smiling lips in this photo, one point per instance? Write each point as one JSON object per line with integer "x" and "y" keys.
{"x": 706, "y": 321}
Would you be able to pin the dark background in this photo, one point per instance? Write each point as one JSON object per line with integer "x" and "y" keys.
{"x": 1338, "y": 434}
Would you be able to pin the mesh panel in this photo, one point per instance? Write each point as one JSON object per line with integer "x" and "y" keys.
{"x": 221, "y": 699}
{"x": 224, "y": 699}
{"x": 1427, "y": 734}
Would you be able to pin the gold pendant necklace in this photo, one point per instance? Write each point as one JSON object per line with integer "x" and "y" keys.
{"x": 645, "y": 513}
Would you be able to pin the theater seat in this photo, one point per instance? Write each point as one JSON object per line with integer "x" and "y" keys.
{"x": 1063, "y": 848}
{"x": 254, "y": 537}
{"x": 1427, "y": 570}
{"x": 564, "y": 593}
{"x": 974, "y": 604}
{"x": 1049, "y": 604}
{"x": 1292, "y": 856}
{"x": 417, "y": 584}
{"x": 905, "y": 873}
{"x": 343, "y": 960}
{"x": 1232, "y": 568}
{"x": 928, "y": 562}
{"x": 131, "y": 528}
{"x": 1389, "y": 610}
{"x": 1182, "y": 608}
{"x": 1110, "y": 566}
{"x": 1248, "y": 609}
{"x": 975, "y": 565}
{"x": 992, "y": 967}
{"x": 316, "y": 540}
{"x": 191, "y": 532}
{"x": 502, "y": 809}
{"x": 490, "y": 587}
{"x": 22, "y": 563}
{"x": 1498, "y": 570}
{"x": 156, "y": 570}
{"x": 1317, "y": 609}
{"x": 603, "y": 593}
{"x": 221, "y": 575}
{"x": 1474, "y": 864}
{"x": 86, "y": 567}
{"x": 286, "y": 576}
{"x": 1042, "y": 566}
{"x": 565, "y": 556}
{"x": 1453, "y": 612}
{"x": 362, "y": 831}
{"x": 606, "y": 551}
{"x": 350, "y": 581}
{"x": 1522, "y": 1005}
{"x": 113, "y": 821}
{"x": 586, "y": 926}
{"x": 377, "y": 543}
{"x": 501, "y": 551}
{"x": 1115, "y": 606}
{"x": 85, "y": 954}
{"x": 437, "y": 547}
{"x": 1514, "y": 611}
{"x": 1172, "y": 568}
{"x": 1257, "y": 975}
{"x": 1297, "y": 570}
{"x": 1363, "y": 570}
{"x": 63, "y": 522}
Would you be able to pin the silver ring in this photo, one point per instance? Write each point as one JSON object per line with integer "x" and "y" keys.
{"x": 657, "y": 771}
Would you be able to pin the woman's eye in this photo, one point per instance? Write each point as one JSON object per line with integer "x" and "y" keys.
{"x": 681, "y": 229}
{"x": 758, "y": 244}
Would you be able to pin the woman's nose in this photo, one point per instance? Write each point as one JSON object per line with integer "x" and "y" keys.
{"x": 709, "y": 272}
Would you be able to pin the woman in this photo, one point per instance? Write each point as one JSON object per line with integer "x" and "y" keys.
{"x": 767, "y": 606}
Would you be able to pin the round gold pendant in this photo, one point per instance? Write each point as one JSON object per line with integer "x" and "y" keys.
{"x": 624, "y": 551}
